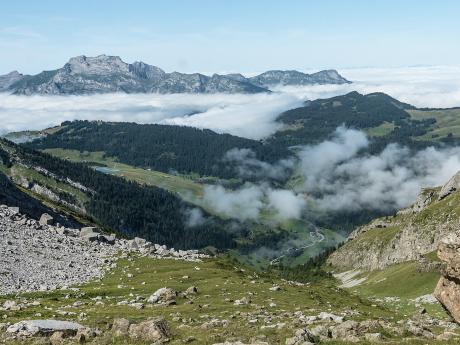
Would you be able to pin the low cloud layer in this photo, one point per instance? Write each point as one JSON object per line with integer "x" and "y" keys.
{"x": 429, "y": 86}
{"x": 248, "y": 166}
{"x": 251, "y": 116}
{"x": 336, "y": 175}
{"x": 249, "y": 201}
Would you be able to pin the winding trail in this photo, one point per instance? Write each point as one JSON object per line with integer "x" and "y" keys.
{"x": 316, "y": 236}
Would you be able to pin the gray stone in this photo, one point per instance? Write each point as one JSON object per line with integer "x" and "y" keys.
{"x": 46, "y": 219}
{"x": 13, "y": 210}
{"x": 164, "y": 295}
{"x": 120, "y": 327}
{"x": 29, "y": 328}
{"x": 154, "y": 330}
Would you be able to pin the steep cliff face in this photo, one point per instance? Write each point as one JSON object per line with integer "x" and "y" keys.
{"x": 412, "y": 232}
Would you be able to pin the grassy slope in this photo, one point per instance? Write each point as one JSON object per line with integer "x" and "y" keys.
{"x": 403, "y": 281}
{"x": 447, "y": 121}
{"x": 172, "y": 183}
{"x": 216, "y": 280}
{"x": 381, "y": 130}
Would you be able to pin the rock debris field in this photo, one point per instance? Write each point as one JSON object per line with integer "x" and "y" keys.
{"x": 38, "y": 256}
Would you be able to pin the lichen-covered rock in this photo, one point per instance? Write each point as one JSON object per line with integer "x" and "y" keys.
{"x": 165, "y": 296}
{"x": 302, "y": 337}
{"x": 120, "y": 327}
{"x": 154, "y": 330}
{"x": 448, "y": 289}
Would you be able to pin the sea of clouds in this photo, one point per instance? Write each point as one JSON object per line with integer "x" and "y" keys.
{"x": 251, "y": 116}
{"x": 335, "y": 176}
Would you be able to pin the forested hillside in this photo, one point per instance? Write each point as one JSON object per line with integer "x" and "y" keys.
{"x": 386, "y": 120}
{"x": 117, "y": 204}
{"x": 158, "y": 147}
{"x": 190, "y": 150}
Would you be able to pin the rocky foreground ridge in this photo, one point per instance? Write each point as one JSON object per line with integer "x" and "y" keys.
{"x": 409, "y": 235}
{"x": 185, "y": 309}
{"x": 40, "y": 255}
{"x": 104, "y": 74}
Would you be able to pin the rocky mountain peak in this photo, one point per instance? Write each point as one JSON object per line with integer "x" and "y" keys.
{"x": 13, "y": 74}
{"x": 9, "y": 79}
{"x": 237, "y": 77}
{"x": 330, "y": 74}
{"x": 105, "y": 73}
{"x": 146, "y": 71}
{"x": 293, "y": 77}
{"x": 101, "y": 64}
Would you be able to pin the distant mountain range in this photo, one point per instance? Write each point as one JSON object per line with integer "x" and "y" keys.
{"x": 105, "y": 74}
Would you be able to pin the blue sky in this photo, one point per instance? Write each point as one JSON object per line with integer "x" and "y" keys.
{"x": 226, "y": 36}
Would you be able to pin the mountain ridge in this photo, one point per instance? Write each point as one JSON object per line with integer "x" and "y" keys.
{"x": 105, "y": 74}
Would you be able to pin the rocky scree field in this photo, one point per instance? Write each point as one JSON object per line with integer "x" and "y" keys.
{"x": 151, "y": 294}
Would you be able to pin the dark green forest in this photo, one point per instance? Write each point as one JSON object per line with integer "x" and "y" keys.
{"x": 315, "y": 121}
{"x": 191, "y": 150}
{"x": 158, "y": 147}
{"x": 135, "y": 210}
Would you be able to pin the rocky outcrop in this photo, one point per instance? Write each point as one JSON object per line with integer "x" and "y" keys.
{"x": 448, "y": 289}
{"x": 104, "y": 74}
{"x": 451, "y": 186}
{"x": 409, "y": 235}
{"x": 152, "y": 330}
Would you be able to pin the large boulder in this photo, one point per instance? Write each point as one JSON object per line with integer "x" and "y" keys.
{"x": 109, "y": 239}
{"x": 346, "y": 331}
{"x": 448, "y": 289}
{"x": 302, "y": 337}
{"x": 46, "y": 219}
{"x": 30, "y": 328}
{"x": 154, "y": 330}
{"x": 89, "y": 233}
{"x": 120, "y": 327}
{"x": 165, "y": 296}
